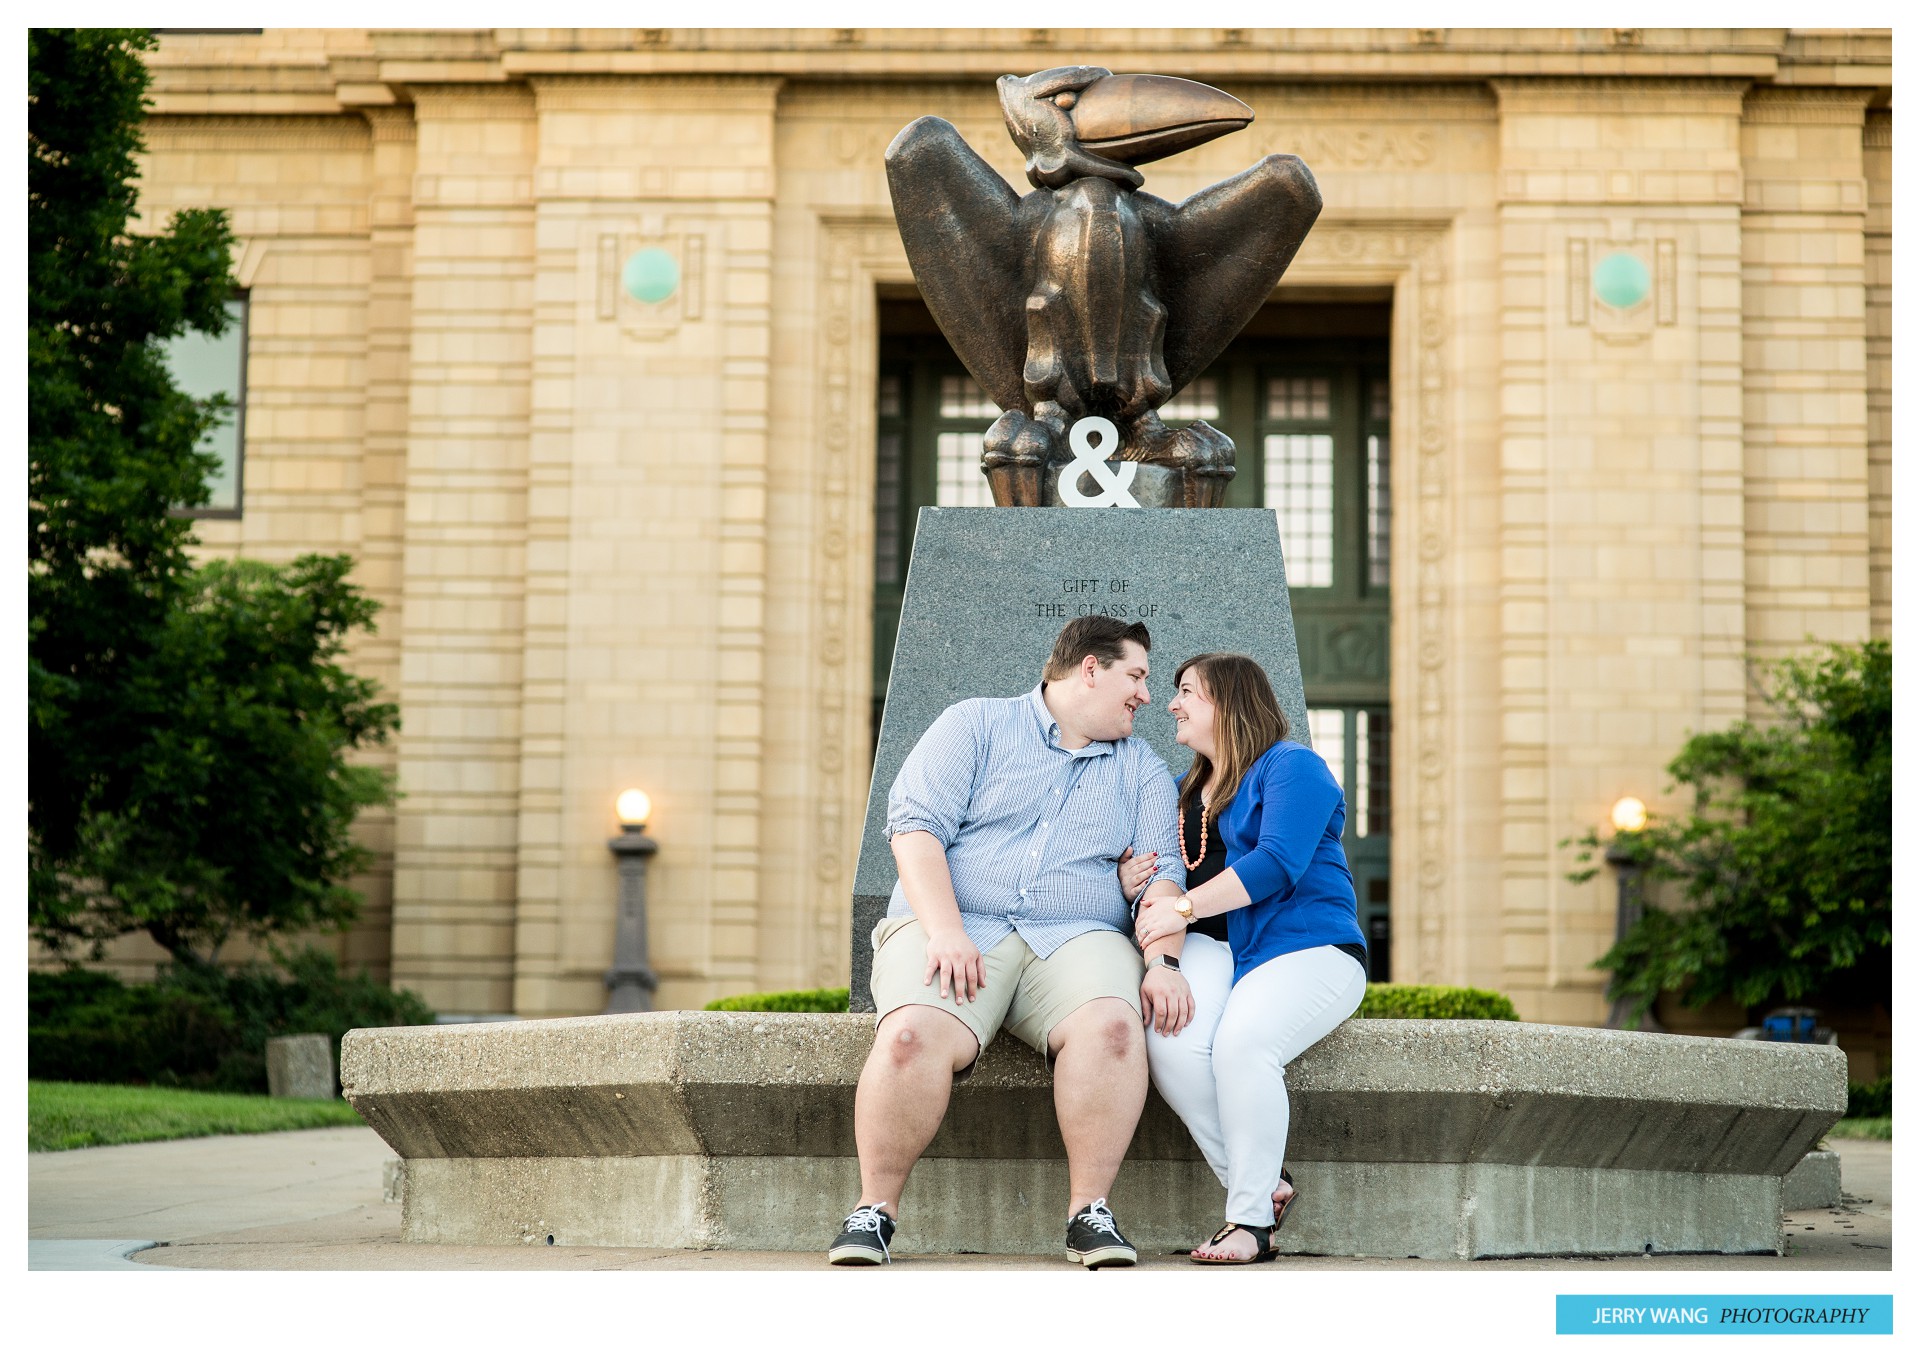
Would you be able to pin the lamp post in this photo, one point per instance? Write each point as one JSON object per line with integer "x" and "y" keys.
{"x": 630, "y": 981}
{"x": 1629, "y": 818}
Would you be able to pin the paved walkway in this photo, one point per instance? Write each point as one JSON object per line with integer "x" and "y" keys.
{"x": 310, "y": 1201}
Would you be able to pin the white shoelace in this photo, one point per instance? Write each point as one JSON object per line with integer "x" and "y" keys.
{"x": 869, "y": 1218}
{"x": 1097, "y": 1216}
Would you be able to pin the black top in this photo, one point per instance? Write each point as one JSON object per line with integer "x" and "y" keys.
{"x": 1210, "y": 866}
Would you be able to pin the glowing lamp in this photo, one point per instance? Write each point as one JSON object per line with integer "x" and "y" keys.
{"x": 1629, "y": 814}
{"x": 633, "y": 807}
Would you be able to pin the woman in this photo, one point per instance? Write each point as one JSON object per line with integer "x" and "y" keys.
{"x": 1261, "y": 819}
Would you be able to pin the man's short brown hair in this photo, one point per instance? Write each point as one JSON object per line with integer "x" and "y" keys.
{"x": 1093, "y": 636}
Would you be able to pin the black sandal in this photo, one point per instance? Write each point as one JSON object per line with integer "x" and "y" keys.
{"x": 1280, "y": 1211}
{"x": 1263, "y": 1247}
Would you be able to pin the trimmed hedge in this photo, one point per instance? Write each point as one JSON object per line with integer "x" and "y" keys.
{"x": 1435, "y": 1001}
{"x": 204, "y": 1027}
{"x": 1381, "y": 1001}
{"x": 785, "y": 1001}
{"x": 1871, "y": 1099}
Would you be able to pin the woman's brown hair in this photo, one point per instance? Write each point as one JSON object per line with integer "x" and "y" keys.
{"x": 1246, "y": 721}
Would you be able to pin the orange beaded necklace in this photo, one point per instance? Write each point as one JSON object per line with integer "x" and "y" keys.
{"x": 1192, "y": 863}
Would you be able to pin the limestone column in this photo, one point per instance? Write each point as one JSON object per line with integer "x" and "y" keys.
{"x": 463, "y": 564}
{"x": 1878, "y": 161}
{"x": 1620, "y": 521}
{"x": 383, "y": 483}
{"x": 1804, "y": 228}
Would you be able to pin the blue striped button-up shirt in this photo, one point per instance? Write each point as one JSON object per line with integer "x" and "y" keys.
{"x": 1033, "y": 832}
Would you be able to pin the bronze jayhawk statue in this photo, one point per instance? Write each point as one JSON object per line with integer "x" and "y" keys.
{"x": 1088, "y": 298}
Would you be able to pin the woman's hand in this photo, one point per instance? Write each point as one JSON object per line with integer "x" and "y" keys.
{"x": 1166, "y": 1001}
{"x": 1158, "y": 919}
{"x": 1135, "y": 873}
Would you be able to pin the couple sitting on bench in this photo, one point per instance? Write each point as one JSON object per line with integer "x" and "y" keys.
{"x": 1038, "y": 842}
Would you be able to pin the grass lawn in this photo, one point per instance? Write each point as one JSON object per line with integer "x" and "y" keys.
{"x": 1861, "y": 1128}
{"x": 74, "y": 1116}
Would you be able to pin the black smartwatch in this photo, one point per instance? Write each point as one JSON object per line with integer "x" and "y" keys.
{"x": 1171, "y": 963}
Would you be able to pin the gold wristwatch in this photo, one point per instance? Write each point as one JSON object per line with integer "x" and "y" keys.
{"x": 1184, "y": 907}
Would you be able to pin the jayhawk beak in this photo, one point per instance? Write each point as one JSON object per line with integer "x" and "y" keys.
{"x": 1136, "y": 119}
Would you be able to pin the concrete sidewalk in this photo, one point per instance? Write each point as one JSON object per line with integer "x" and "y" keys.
{"x": 310, "y": 1201}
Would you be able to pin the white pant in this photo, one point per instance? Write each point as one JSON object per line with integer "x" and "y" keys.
{"x": 1225, "y": 1074}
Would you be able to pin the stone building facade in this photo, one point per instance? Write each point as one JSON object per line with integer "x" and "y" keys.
{"x": 627, "y": 542}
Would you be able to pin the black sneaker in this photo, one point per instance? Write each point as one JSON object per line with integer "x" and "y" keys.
{"x": 1094, "y": 1240}
{"x": 863, "y": 1239}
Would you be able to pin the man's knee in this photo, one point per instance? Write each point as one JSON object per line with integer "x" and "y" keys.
{"x": 909, "y": 1035}
{"x": 1109, "y": 1025}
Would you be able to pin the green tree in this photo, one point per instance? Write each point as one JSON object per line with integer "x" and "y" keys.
{"x": 111, "y": 442}
{"x": 1785, "y": 862}
{"x": 187, "y": 728}
{"x": 235, "y": 804}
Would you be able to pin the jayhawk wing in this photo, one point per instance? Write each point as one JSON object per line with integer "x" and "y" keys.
{"x": 960, "y": 222}
{"x": 1220, "y": 253}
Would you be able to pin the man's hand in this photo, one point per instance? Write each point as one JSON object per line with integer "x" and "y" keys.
{"x": 1158, "y": 919}
{"x": 959, "y": 963}
{"x": 1166, "y": 1001}
{"x": 929, "y": 888}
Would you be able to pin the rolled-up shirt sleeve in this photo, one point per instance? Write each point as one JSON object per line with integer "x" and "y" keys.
{"x": 1298, "y": 794}
{"x": 1158, "y": 829}
{"x": 935, "y": 784}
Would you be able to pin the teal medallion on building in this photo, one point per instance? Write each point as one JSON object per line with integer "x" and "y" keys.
{"x": 1621, "y": 280}
{"x": 651, "y": 276}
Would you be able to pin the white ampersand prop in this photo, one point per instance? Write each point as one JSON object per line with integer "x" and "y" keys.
{"x": 1113, "y": 483}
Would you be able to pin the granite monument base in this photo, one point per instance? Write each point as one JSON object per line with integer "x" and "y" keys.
{"x": 988, "y": 590}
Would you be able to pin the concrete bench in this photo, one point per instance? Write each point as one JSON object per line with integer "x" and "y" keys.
{"x": 1410, "y": 1138}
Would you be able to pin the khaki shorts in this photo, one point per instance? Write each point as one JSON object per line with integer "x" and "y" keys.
{"x": 1027, "y": 995}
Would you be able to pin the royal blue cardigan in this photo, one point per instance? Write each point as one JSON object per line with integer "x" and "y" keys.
{"x": 1282, "y": 836}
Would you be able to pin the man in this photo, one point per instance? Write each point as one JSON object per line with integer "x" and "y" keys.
{"x": 1006, "y": 822}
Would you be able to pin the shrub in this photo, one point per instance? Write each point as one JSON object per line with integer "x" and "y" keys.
{"x": 88, "y": 1027}
{"x": 1435, "y": 1001}
{"x": 1382, "y": 1001}
{"x": 198, "y": 1026}
{"x": 1871, "y": 1099}
{"x": 785, "y": 1001}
